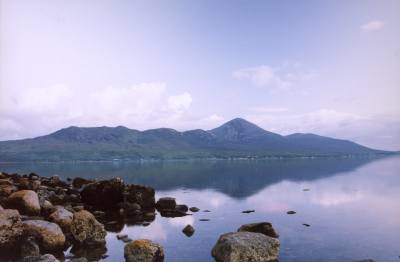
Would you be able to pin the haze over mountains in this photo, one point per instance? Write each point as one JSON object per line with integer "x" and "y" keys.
{"x": 236, "y": 138}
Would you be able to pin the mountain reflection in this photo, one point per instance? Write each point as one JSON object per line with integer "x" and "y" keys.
{"x": 236, "y": 178}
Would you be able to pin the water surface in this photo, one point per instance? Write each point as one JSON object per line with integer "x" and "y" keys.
{"x": 352, "y": 205}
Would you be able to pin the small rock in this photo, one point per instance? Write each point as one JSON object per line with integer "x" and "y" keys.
{"x": 143, "y": 250}
{"x": 248, "y": 211}
{"x": 166, "y": 203}
{"x": 204, "y": 219}
{"x": 207, "y": 211}
{"x": 26, "y": 201}
{"x": 306, "y": 189}
{"x": 188, "y": 230}
{"x": 126, "y": 240}
{"x": 194, "y": 209}
{"x": 44, "y": 258}
{"x": 291, "y": 212}
{"x": 263, "y": 228}
{"x": 10, "y": 229}
{"x": 307, "y": 225}
{"x": 245, "y": 246}
{"x": 78, "y": 182}
{"x": 49, "y": 234}
{"x": 79, "y": 259}
{"x": 121, "y": 236}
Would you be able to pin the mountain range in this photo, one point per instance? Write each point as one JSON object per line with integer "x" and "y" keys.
{"x": 237, "y": 138}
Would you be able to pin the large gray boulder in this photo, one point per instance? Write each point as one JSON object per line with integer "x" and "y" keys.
{"x": 49, "y": 235}
{"x": 263, "y": 228}
{"x": 143, "y": 250}
{"x": 86, "y": 229}
{"x": 245, "y": 246}
{"x": 26, "y": 201}
{"x": 10, "y": 229}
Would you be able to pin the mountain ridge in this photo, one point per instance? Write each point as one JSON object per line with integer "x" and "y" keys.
{"x": 236, "y": 138}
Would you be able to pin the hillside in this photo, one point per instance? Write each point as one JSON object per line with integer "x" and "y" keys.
{"x": 236, "y": 138}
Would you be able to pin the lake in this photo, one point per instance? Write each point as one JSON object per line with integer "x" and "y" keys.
{"x": 351, "y": 205}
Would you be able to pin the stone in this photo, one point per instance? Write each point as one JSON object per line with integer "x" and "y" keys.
{"x": 10, "y": 229}
{"x": 86, "y": 229}
{"x": 78, "y": 182}
{"x": 142, "y": 195}
{"x": 63, "y": 218}
{"x": 143, "y": 250}
{"x": 103, "y": 195}
{"x": 248, "y": 211}
{"x": 44, "y": 258}
{"x": 194, "y": 209}
{"x": 166, "y": 203}
{"x": 263, "y": 228}
{"x": 121, "y": 236}
{"x": 29, "y": 247}
{"x": 49, "y": 235}
{"x": 291, "y": 212}
{"x": 306, "y": 225}
{"x": 188, "y": 230}
{"x": 204, "y": 219}
{"x": 26, "y": 201}
{"x": 245, "y": 246}
{"x": 182, "y": 208}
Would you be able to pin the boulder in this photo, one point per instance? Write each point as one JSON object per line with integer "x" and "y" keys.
{"x": 48, "y": 234}
{"x": 63, "y": 218}
{"x": 263, "y": 228}
{"x": 245, "y": 246}
{"x": 7, "y": 189}
{"x": 143, "y": 250}
{"x": 103, "y": 194}
{"x": 26, "y": 201}
{"x": 86, "y": 229}
{"x": 188, "y": 230}
{"x": 142, "y": 195}
{"x": 44, "y": 258}
{"x": 166, "y": 203}
{"x": 182, "y": 208}
{"x": 10, "y": 229}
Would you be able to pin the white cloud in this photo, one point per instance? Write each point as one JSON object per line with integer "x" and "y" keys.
{"x": 373, "y": 25}
{"x": 262, "y": 76}
{"x": 42, "y": 110}
{"x": 281, "y": 78}
{"x": 180, "y": 103}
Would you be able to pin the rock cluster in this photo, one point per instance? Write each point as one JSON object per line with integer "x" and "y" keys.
{"x": 43, "y": 216}
{"x": 168, "y": 208}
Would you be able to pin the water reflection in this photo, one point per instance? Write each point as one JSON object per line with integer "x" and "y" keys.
{"x": 351, "y": 206}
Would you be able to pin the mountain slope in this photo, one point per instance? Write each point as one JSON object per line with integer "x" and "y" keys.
{"x": 236, "y": 138}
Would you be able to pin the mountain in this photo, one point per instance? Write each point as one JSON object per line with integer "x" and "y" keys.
{"x": 236, "y": 138}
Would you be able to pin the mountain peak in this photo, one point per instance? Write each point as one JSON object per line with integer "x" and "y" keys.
{"x": 238, "y": 129}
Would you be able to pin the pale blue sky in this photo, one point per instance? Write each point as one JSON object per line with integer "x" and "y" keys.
{"x": 327, "y": 67}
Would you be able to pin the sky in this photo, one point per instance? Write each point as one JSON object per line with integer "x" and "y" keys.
{"x": 325, "y": 67}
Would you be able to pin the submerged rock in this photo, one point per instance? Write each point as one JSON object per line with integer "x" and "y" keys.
{"x": 245, "y": 246}
{"x": 143, "y": 250}
{"x": 86, "y": 229}
{"x": 188, "y": 230}
{"x": 291, "y": 212}
{"x": 263, "y": 228}
{"x": 248, "y": 211}
{"x": 49, "y": 235}
{"x": 194, "y": 209}
{"x": 26, "y": 201}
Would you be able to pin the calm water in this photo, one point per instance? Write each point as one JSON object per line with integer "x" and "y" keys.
{"x": 352, "y": 205}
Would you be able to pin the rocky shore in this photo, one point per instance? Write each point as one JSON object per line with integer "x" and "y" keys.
{"x": 42, "y": 217}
